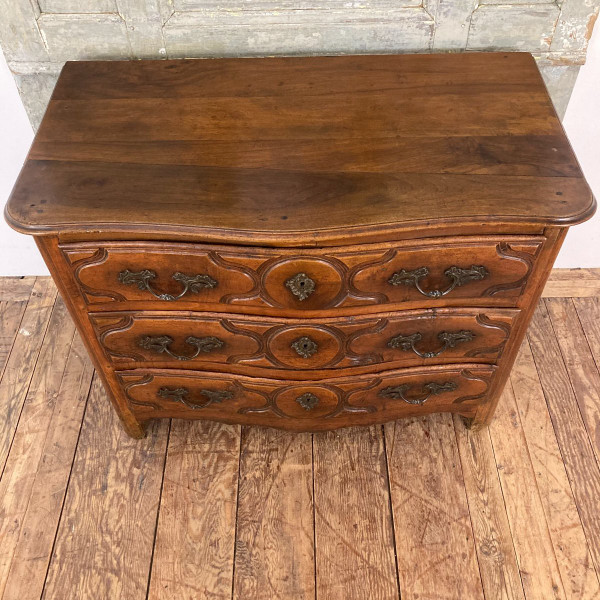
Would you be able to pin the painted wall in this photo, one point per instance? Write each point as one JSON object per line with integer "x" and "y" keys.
{"x": 582, "y": 123}
{"x": 18, "y": 253}
{"x": 19, "y": 256}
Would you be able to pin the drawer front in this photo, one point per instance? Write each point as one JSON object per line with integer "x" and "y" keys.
{"x": 253, "y": 344}
{"x": 447, "y": 271}
{"x": 308, "y": 405}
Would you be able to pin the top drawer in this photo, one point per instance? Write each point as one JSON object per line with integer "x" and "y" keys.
{"x": 434, "y": 272}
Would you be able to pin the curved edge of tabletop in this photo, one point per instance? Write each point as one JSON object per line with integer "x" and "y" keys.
{"x": 299, "y": 238}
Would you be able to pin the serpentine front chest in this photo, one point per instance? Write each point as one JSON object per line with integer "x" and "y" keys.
{"x": 304, "y": 243}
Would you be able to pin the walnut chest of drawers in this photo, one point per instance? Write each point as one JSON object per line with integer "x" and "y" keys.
{"x": 304, "y": 243}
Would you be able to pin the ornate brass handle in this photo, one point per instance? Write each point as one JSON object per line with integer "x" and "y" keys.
{"x": 398, "y": 392}
{"x": 179, "y": 395}
{"x": 161, "y": 343}
{"x": 456, "y": 274}
{"x": 190, "y": 283}
{"x": 307, "y": 401}
{"x": 449, "y": 339}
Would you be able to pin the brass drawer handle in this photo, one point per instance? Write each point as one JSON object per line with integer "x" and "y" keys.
{"x": 161, "y": 343}
{"x": 307, "y": 401}
{"x": 456, "y": 274}
{"x": 301, "y": 285}
{"x": 190, "y": 283}
{"x": 433, "y": 389}
{"x": 180, "y": 394}
{"x": 305, "y": 347}
{"x": 449, "y": 339}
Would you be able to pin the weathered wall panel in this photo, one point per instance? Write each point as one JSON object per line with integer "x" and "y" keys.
{"x": 19, "y": 34}
{"x": 84, "y": 36}
{"x": 77, "y": 6}
{"x": 278, "y": 6}
{"x": 35, "y": 84}
{"x": 452, "y": 22}
{"x": 575, "y": 24}
{"x": 296, "y": 32}
{"x": 559, "y": 80}
{"x": 37, "y": 36}
{"x": 515, "y": 27}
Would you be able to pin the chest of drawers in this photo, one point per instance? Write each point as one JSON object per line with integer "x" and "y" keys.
{"x": 303, "y": 243}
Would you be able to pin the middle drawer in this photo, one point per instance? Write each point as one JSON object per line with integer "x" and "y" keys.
{"x": 234, "y": 343}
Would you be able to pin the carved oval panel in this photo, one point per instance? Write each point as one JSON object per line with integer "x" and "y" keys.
{"x": 283, "y": 282}
{"x": 292, "y": 347}
{"x": 307, "y": 402}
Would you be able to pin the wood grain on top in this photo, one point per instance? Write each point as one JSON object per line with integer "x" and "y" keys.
{"x": 297, "y": 150}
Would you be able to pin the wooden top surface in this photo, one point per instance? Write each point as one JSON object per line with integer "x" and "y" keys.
{"x": 298, "y": 150}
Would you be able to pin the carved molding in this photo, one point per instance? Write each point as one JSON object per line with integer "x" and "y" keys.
{"x": 99, "y": 257}
{"x": 260, "y": 274}
{"x": 304, "y": 394}
{"x": 102, "y": 254}
{"x": 498, "y": 350}
{"x": 267, "y": 352}
{"x": 224, "y": 263}
{"x": 472, "y": 377}
{"x": 178, "y": 395}
{"x": 342, "y": 339}
{"x": 342, "y": 405}
{"x": 348, "y": 293}
{"x": 238, "y": 389}
{"x": 506, "y": 251}
{"x": 120, "y": 326}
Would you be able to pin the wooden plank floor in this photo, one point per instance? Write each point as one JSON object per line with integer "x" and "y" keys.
{"x": 418, "y": 509}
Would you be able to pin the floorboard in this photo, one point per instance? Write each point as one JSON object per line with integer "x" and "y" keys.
{"x": 493, "y": 541}
{"x": 353, "y": 527}
{"x": 194, "y": 552}
{"x": 565, "y": 283}
{"x": 17, "y": 289}
{"x": 434, "y": 536}
{"x": 12, "y": 308}
{"x": 577, "y": 449}
{"x": 560, "y": 509}
{"x": 20, "y": 485}
{"x": 48, "y": 444}
{"x": 105, "y": 537}
{"x": 581, "y": 367}
{"x": 420, "y": 509}
{"x": 22, "y": 359}
{"x": 588, "y": 311}
{"x": 274, "y": 555}
{"x": 536, "y": 558}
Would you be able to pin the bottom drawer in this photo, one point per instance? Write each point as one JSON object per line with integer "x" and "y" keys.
{"x": 307, "y": 405}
